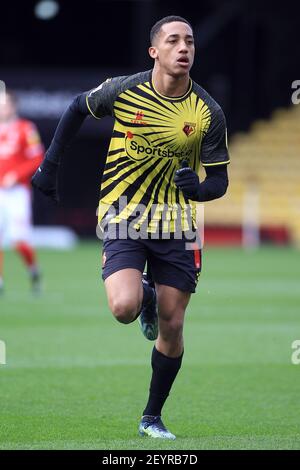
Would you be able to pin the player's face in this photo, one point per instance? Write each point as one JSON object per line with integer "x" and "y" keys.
{"x": 7, "y": 109}
{"x": 174, "y": 48}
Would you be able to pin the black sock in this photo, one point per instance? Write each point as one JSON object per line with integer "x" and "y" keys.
{"x": 147, "y": 296}
{"x": 164, "y": 373}
{"x": 147, "y": 293}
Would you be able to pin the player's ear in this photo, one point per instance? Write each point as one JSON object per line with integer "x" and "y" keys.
{"x": 153, "y": 52}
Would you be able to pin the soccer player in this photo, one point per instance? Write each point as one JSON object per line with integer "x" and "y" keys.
{"x": 165, "y": 126}
{"x": 21, "y": 152}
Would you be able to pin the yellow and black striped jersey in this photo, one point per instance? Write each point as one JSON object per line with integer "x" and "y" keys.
{"x": 152, "y": 134}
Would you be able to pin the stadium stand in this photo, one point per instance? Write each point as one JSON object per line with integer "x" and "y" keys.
{"x": 264, "y": 171}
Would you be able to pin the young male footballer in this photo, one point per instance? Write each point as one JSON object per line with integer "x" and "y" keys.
{"x": 165, "y": 126}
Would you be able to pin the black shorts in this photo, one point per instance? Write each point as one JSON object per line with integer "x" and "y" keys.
{"x": 169, "y": 262}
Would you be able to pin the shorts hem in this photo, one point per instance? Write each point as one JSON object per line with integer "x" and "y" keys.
{"x": 184, "y": 288}
{"x": 119, "y": 268}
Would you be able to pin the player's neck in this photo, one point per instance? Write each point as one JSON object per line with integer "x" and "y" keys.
{"x": 170, "y": 86}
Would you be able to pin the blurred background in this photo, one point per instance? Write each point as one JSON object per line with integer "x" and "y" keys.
{"x": 75, "y": 378}
{"x": 247, "y": 58}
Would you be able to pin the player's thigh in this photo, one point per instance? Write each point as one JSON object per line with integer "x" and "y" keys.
{"x": 123, "y": 262}
{"x": 124, "y": 289}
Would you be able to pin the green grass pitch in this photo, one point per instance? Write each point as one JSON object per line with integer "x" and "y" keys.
{"x": 76, "y": 379}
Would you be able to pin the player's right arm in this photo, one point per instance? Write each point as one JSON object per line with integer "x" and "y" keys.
{"x": 98, "y": 103}
{"x": 45, "y": 178}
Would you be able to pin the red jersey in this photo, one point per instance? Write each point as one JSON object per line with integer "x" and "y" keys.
{"x": 21, "y": 150}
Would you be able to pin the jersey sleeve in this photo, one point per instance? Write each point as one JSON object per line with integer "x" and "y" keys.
{"x": 214, "y": 149}
{"x": 100, "y": 100}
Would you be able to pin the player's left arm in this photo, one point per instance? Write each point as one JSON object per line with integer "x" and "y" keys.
{"x": 214, "y": 158}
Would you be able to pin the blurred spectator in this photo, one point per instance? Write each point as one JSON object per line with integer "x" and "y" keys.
{"x": 21, "y": 152}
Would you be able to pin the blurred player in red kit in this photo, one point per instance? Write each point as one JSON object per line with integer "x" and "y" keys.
{"x": 21, "y": 152}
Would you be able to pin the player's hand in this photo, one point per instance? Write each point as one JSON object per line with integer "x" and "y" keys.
{"x": 187, "y": 181}
{"x": 45, "y": 179}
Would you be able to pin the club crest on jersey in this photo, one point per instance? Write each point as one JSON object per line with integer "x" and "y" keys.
{"x": 139, "y": 115}
{"x": 189, "y": 128}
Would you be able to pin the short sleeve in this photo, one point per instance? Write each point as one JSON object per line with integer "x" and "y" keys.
{"x": 100, "y": 100}
{"x": 214, "y": 149}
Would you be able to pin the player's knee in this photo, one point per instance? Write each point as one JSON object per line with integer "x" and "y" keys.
{"x": 173, "y": 316}
{"x": 172, "y": 330}
{"x": 124, "y": 310}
